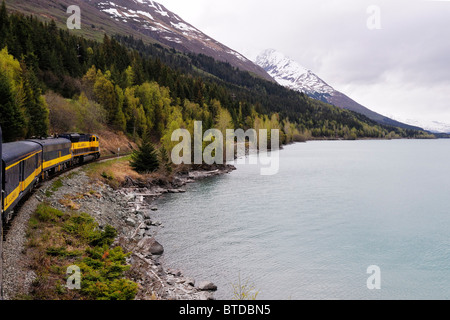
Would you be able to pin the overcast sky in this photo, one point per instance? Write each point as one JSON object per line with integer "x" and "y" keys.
{"x": 400, "y": 70}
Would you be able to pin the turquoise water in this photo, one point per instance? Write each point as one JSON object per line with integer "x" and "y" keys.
{"x": 312, "y": 230}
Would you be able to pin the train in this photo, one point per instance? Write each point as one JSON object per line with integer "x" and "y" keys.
{"x": 24, "y": 164}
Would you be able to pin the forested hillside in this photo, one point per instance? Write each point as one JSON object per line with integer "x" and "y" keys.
{"x": 52, "y": 81}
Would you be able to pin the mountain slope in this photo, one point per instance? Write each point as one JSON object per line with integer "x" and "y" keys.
{"x": 292, "y": 75}
{"x": 143, "y": 19}
{"x": 94, "y": 24}
{"x": 153, "y": 19}
{"x": 134, "y": 91}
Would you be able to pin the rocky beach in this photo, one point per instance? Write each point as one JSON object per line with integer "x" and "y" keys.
{"x": 129, "y": 210}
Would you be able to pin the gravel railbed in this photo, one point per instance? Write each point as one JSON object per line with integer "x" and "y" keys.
{"x": 127, "y": 209}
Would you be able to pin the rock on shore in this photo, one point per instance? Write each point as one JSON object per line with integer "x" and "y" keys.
{"x": 129, "y": 210}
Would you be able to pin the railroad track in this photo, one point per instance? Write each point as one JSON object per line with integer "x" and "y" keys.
{"x": 7, "y": 226}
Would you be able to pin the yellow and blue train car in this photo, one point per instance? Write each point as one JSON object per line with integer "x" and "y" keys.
{"x": 21, "y": 169}
{"x": 1, "y": 207}
{"x": 83, "y": 146}
{"x": 24, "y": 163}
{"x": 56, "y": 155}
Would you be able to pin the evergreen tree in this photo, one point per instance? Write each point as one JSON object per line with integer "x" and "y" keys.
{"x": 3, "y": 13}
{"x": 35, "y": 106}
{"x": 12, "y": 119}
{"x": 119, "y": 121}
{"x": 145, "y": 159}
{"x": 196, "y": 86}
{"x": 164, "y": 160}
{"x": 3, "y": 24}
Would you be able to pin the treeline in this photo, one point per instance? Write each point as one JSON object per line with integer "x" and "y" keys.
{"x": 23, "y": 110}
{"x": 147, "y": 90}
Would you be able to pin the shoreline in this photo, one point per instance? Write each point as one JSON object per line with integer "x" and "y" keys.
{"x": 147, "y": 251}
{"x": 129, "y": 210}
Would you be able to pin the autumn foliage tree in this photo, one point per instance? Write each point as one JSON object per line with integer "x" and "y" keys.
{"x": 147, "y": 89}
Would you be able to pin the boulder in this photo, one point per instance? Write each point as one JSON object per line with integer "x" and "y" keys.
{"x": 147, "y": 215}
{"x": 156, "y": 249}
{"x": 150, "y": 245}
{"x": 205, "y": 296}
{"x": 190, "y": 282}
{"x": 207, "y": 286}
{"x": 130, "y": 222}
{"x": 176, "y": 273}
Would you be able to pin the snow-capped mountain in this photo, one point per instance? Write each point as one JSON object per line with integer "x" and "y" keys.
{"x": 149, "y": 17}
{"x": 143, "y": 19}
{"x": 291, "y": 74}
{"x": 432, "y": 126}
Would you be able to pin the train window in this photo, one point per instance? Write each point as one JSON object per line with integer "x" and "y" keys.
{"x": 12, "y": 179}
{"x": 29, "y": 167}
{"x": 22, "y": 169}
{"x": 65, "y": 152}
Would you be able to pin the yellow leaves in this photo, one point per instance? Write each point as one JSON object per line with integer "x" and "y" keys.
{"x": 104, "y": 91}
{"x": 11, "y": 67}
{"x": 223, "y": 120}
{"x": 90, "y": 76}
{"x": 175, "y": 122}
{"x": 132, "y": 101}
{"x": 129, "y": 77}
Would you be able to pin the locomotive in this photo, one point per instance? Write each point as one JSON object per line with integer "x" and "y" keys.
{"x": 23, "y": 164}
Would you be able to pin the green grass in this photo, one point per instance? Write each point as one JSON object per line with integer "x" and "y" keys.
{"x": 57, "y": 240}
{"x": 56, "y": 185}
{"x": 45, "y": 213}
{"x": 101, "y": 166}
{"x": 111, "y": 172}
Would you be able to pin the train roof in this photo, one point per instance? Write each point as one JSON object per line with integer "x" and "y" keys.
{"x": 77, "y": 137}
{"x": 13, "y": 152}
{"x": 53, "y": 144}
{"x": 51, "y": 141}
{"x": 69, "y": 134}
{"x": 76, "y": 134}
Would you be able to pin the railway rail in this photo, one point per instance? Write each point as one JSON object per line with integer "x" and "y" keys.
{"x": 24, "y": 165}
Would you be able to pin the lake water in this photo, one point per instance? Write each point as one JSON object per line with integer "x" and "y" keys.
{"x": 311, "y": 231}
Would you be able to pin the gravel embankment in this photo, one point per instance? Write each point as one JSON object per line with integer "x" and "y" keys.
{"x": 129, "y": 210}
{"x": 17, "y": 276}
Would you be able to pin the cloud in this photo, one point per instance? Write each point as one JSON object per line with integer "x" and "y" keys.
{"x": 403, "y": 68}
